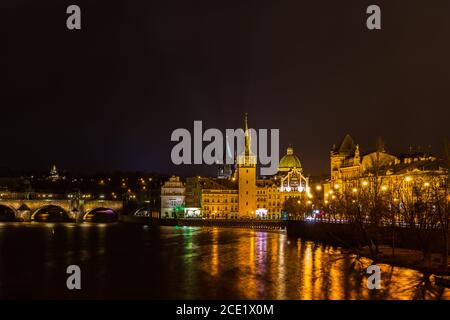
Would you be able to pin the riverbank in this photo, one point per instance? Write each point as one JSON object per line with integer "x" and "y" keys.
{"x": 406, "y": 258}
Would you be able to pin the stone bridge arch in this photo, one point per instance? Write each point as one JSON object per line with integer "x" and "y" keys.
{"x": 109, "y": 204}
{"x": 57, "y": 213}
{"x": 24, "y": 209}
{"x": 101, "y": 210}
{"x": 7, "y": 213}
{"x": 101, "y": 214}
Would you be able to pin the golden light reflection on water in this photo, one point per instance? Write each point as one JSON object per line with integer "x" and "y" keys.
{"x": 281, "y": 269}
{"x": 215, "y": 253}
{"x": 306, "y": 276}
{"x": 197, "y": 263}
{"x": 269, "y": 265}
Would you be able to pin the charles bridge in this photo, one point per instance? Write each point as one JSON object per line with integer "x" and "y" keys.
{"x": 26, "y": 207}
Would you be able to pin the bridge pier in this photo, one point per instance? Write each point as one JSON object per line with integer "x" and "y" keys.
{"x": 77, "y": 215}
{"x": 23, "y": 215}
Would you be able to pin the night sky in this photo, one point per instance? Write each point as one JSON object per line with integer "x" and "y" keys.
{"x": 108, "y": 97}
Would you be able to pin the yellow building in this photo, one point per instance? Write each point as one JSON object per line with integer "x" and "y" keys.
{"x": 246, "y": 175}
{"x": 219, "y": 199}
{"x": 350, "y": 170}
{"x": 243, "y": 195}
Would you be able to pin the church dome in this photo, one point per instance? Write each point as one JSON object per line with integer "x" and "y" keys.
{"x": 289, "y": 161}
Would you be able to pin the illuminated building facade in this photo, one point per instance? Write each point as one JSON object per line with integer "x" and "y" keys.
{"x": 351, "y": 170}
{"x": 241, "y": 194}
{"x": 172, "y": 198}
{"x": 54, "y": 175}
{"x": 220, "y": 198}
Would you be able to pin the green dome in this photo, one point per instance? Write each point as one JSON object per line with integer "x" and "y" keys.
{"x": 289, "y": 161}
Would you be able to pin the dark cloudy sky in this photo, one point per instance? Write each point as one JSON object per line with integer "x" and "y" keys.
{"x": 109, "y": 96}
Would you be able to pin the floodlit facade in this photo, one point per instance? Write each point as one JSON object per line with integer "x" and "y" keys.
{"x": 351, "y": 170}
{"x": 241, "y": 194}
{"x": 172, "y": 198}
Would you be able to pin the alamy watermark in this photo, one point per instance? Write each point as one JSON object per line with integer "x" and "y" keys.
{"x": 74, "y": 280}
{"x": 374, "y": 279}
{"x": 373, "y": 21}
{"x": 73, "y": 21}
{"x": 220, "y": 150}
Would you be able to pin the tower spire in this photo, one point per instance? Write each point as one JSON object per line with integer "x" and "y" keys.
{"x": 246, "y": 157}
{"x": 247, "y": 136}
{"x": 246, "y": 122}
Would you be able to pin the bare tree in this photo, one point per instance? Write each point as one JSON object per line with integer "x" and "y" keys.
{"x": 392, "y": 213}
{"x": 419, "y": 211}
{"x": 443, "y": 205}
{"x": 372, "y": 198}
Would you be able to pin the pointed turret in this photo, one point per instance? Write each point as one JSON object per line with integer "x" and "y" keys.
{"x": 247, "y": 137}
{"x": 246, "y": 157}
{"x": 347, "y": 146}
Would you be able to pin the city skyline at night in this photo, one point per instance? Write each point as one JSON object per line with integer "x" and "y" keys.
{"x": 224, "y": 158}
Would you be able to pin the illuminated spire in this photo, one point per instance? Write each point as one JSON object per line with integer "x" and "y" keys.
{"x": 246, "y": 158}
{"x": 247, "y": 136}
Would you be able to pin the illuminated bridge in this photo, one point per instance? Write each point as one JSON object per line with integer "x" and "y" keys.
{"x": 59, "y": 210}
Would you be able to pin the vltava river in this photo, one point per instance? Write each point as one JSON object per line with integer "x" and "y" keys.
{"x": 141, "y": 262}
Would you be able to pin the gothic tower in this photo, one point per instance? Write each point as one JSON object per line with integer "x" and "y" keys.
{"x": 246, "y": 170}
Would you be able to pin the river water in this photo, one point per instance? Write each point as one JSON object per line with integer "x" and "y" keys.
{"x": 140, "y": 262}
